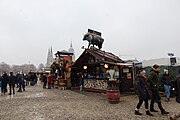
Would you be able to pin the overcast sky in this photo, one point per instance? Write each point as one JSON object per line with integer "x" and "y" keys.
{"x": 141, "y": 29}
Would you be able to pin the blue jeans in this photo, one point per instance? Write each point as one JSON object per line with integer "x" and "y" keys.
{"x": 167, "y": 89}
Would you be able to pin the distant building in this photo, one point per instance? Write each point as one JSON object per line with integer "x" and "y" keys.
{"x": 160, "y": 61}
{"x": 50, "y": 58}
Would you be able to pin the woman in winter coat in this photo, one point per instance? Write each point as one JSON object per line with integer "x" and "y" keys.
{"x": 167, "y": 84}
{"x": 142, "y": 93}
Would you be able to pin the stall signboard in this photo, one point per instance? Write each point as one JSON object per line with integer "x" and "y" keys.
{"x": 125, "y": 70}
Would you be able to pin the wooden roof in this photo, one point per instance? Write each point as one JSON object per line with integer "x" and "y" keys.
{"x": 99, "y": 55}
{"x": 63, "y": 52}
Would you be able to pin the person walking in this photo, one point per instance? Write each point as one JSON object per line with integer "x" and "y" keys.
{"x": 142, "y": 93}
{"x": 167, "y": 84}
{"x": 12, "y": 80}
{"x": 153, "y": 86}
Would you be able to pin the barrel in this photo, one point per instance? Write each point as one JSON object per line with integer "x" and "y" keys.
{"x": 113, "y": 96}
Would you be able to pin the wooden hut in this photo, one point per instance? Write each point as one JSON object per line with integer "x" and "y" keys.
{"x": 93, "y": 64}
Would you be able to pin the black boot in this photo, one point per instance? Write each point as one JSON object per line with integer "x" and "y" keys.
{"x": 137, "y": 113}
{"x": 152, "y": 106}
{"x": 163, "y": 112}
{"x": 19, "y": 91}
{"x": 148, "y": 113}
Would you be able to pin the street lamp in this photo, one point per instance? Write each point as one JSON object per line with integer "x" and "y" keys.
{"x": 172, "y": 58}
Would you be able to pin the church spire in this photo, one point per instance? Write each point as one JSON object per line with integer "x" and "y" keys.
{"x": 51, "y": 50}
{"x": 71, "y": 45}
{"x": 71, "y": 50}
{"x": 49, "y": 57}
{"x": 48, "y": 53}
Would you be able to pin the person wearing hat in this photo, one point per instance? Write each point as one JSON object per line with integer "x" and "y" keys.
{"x": 167, "y": 84}
{"x": 153, "y": 86}
{"x": 142, "y": 93}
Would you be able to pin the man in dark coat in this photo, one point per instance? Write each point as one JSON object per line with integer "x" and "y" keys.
{"x": 153, "y": 84}
{"x": 142, "y": 93}
{"x": 5, "y": 79}
{"x": 12, "y": 80}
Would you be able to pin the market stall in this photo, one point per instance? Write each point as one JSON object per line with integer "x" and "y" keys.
{"x": 94, "y": 64}
{"x": 61, "y": 69}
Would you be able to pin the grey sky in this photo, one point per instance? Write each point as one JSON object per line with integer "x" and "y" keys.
{"x": 141, "y": 29}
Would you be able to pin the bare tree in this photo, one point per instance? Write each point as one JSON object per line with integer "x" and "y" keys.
{"x": 4, "y": 67}
{"x": 41, "y": 67}
{"x": 15, "y": 69}
{"x": 26, "y": 68}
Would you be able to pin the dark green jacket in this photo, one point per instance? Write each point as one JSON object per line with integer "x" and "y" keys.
{"x": 153, "y": 79}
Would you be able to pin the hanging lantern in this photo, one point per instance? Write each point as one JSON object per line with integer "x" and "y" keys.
{"x": 85, "y": 67}
{"x": 106, "y": 66}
